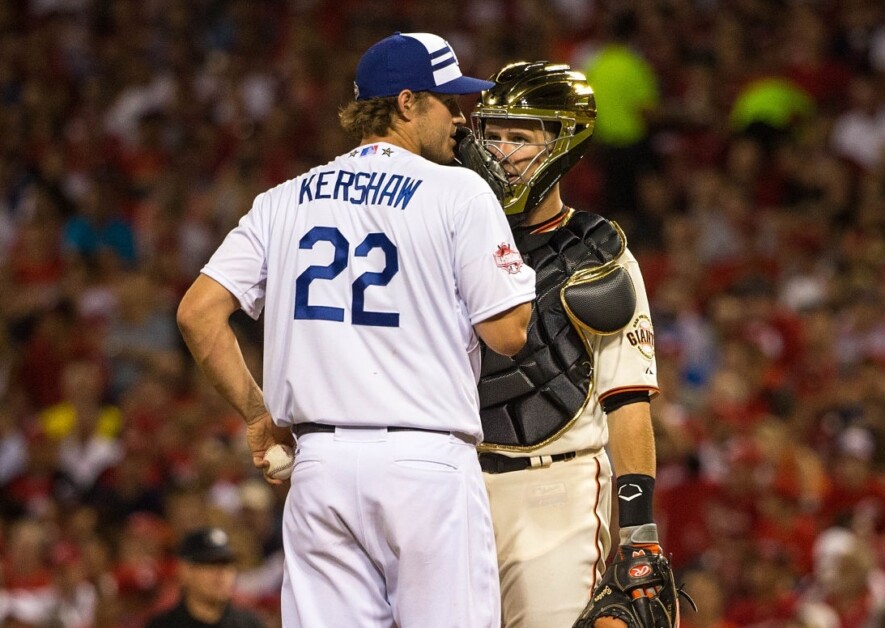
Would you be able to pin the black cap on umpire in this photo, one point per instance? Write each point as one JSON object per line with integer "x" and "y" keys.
{"x": 206, "y": 546}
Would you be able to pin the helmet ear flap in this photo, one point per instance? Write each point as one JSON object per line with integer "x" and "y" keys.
{"x": 554, "y": 171}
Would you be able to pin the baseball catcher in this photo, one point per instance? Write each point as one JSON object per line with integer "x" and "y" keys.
{"x": 567, "y": 421}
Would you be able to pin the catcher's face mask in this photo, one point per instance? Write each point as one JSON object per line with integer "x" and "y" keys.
{"x": 554, "y": 107}
{"x": 520, "y": 145}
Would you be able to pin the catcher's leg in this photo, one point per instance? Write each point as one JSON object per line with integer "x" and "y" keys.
{"x": 551, "y": 529}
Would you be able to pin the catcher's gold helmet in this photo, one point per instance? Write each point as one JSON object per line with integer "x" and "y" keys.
{"x": 557, "y": 96}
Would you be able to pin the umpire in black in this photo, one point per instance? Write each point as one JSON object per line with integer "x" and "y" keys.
{"x": 207, "y": 572}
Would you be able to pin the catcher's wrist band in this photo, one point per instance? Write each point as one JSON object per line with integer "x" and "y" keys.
{"x": 635, "y": 494}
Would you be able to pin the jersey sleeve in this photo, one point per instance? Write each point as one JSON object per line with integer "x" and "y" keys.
{"x": 626, "y": 361}
{"x": 240, "y": 263}
{"x": 491, "y": 275}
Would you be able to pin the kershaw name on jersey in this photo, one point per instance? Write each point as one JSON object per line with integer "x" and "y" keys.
{"x": 337, "y": 265}
{"x": 359, "y": 188}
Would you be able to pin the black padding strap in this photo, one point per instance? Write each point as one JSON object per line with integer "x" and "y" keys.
{"x": 496, "y": 463}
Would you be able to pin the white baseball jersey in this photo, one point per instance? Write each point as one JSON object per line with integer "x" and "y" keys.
{"x": 371, "y": 271}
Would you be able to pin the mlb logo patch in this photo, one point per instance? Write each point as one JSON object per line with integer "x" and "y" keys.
{"x": 508, "y": 259}
{"x": 369, "y": 150}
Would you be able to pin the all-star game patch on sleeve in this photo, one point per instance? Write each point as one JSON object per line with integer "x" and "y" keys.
{"x": 508, "y": 259}
{"x": 489, "y": 262}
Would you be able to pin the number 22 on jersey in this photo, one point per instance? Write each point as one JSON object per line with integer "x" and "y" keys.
{"x": 359, "y": 314}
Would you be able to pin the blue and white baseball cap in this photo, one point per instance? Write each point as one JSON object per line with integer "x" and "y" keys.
{"x": 416, "y": 61}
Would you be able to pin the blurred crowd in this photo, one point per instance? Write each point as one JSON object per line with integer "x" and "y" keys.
{"x": 751, "y": 186}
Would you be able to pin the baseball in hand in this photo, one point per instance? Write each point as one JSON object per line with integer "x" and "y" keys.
{"x": 281, "y": 461}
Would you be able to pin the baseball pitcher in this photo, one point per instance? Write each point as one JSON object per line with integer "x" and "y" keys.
{"x": 377, "y": 273}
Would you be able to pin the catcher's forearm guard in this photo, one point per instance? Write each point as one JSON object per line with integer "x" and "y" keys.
{"x": 639, "y": 589}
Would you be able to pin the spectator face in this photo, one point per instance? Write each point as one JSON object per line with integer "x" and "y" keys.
{"x": 211, "y": 583}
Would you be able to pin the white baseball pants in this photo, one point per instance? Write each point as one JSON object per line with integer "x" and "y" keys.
{"x": 386, "y": 529}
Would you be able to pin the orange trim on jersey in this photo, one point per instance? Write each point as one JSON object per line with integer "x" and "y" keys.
{"x": 599, "y": 565}
{"x": 652, "y": 391}
{"x": 553, "y": 223}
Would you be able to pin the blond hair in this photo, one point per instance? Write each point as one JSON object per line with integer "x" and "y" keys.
{"x": 374, "y": 117}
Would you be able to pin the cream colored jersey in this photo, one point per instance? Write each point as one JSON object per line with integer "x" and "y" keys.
{"x": 552, "y": 523}
{"x": 622, "y": 362}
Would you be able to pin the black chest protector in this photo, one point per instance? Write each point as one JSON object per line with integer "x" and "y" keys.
{"x": 529, "y": 400}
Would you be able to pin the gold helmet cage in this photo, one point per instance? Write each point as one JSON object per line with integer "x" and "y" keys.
{"x": 561, "y": 100}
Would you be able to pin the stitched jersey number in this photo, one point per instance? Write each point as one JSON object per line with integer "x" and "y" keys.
{"x": 360, "y": 316}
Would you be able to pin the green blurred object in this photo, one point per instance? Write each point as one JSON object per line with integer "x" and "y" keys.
{"x": 772, "y": 101}
{"x": 626, "y": 88}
